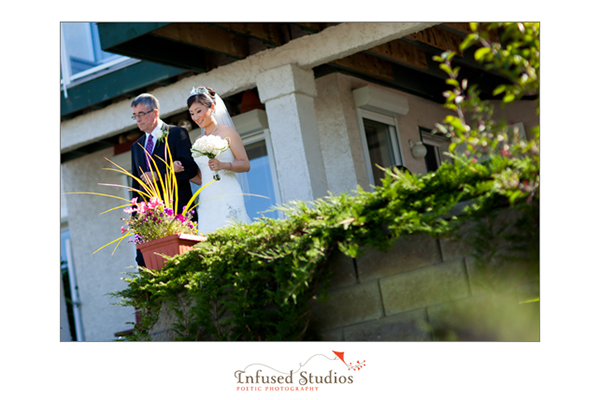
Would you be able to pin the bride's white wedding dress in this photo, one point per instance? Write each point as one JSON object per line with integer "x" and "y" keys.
{"x": 222, "y": 202}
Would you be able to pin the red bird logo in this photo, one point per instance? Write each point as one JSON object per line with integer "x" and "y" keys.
{"x": 357, "y": 366}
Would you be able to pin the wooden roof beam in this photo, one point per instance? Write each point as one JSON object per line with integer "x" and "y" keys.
{"x": 367, "y": 64}
{"x": 207, "y": 37}
{"x": 311, "y": 27}
{"x": 401, "y": 52}
{"x": 269, "y": 34}
{"x": 439, "y": 38}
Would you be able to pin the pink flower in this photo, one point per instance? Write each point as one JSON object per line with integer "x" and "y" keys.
{"x": 123, "y": 230}
{"x": 134, "y": 201}
{"x": 154, "y": 203}
{"x": 141, "y": 208}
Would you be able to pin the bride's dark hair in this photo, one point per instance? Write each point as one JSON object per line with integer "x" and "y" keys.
{"x": 206, "y": 99}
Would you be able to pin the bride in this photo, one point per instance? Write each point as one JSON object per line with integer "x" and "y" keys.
{"x": 221, "y": 202}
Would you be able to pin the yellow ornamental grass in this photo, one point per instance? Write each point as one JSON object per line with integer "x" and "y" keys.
{"x": 161, "y": 207}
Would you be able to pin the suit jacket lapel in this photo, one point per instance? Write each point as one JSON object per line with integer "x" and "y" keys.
{"x": 160, "y": 144}
{"x": 157, "y": 151}
{"x": 159, "y": 147}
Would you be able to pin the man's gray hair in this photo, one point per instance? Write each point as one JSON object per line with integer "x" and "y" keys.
{"x": 147, "y": 100}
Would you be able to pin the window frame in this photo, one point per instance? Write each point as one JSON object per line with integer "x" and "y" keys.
{"x": 73, "y": 287}
{"x": 436, "y": 141}
{"x": 105, "y": 65}
{"x": 393, "y": 133}
{"x": 255, "y": 136}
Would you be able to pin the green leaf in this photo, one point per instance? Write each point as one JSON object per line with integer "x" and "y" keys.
{"x": 452, "y": 82}
{"x": 499, "y": 89}
{"x": 468, "y": 42}
{"x": 508, "y": 98}
{"x": 481, "y": 52}
{"x": 514, "y": 196}
{"x": 446, "y": 68}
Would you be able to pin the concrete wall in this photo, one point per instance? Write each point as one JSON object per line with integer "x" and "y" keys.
{"x": 339, "y": 132}
{"x": 424, "y": 289}
{"x": 341, "y": 143}
{"x": 100, "y": 273}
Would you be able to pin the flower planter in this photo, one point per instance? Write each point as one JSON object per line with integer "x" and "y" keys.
{"x": 169, "y": 245}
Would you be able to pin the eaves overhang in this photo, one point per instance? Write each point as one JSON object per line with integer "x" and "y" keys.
{"x": 171, "y": 51}
{"x": 123, "y": 82}
{"x": 405, "y": 63}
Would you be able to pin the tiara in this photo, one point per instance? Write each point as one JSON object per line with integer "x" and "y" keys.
{"x": 199, "y": 90}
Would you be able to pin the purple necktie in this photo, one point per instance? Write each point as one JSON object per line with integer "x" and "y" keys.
{"x": 149, "y": 146}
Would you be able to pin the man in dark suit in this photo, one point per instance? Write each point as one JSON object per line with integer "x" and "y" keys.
{"x": 146, "y": 112}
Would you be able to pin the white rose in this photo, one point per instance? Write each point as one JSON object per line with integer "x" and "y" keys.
{"x": 209, "y": 145}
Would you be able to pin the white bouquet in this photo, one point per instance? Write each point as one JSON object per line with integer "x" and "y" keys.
{"x": 210, "y": 146}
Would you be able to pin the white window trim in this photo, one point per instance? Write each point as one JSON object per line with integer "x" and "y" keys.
{"x": 76, "y": 301}
{"x": 436, "y": 141}
{"x": 106, "y": 65}
{"x": 68, "y": 80}
{"x": 385, "y": 106}
{"x": 382, "y": 101}
{"x": 95, "y": 72}
{"x": 253, "y": 127}
{"x": 397, "y": 149}
{"x": 250, "y": 138}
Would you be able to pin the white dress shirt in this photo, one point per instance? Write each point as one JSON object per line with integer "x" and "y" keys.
{"x": 154, "y": 135}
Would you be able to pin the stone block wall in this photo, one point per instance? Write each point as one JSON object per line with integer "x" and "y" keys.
{"x": 425, "y": 289}
{"x": 421, "y": 289}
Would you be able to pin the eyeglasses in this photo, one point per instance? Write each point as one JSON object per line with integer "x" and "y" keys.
{"x": 140, "y": 115}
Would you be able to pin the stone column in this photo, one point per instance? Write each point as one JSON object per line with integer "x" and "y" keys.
{"x": 288, "y": 93}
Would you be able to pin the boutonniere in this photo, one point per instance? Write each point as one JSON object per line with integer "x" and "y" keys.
{"x": 162, "y": 134}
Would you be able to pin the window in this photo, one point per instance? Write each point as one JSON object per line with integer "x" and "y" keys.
{"x": 436, "y": 145}
{"x": 380, "y": 142}
{"x": 69, "y": 280}
{"x": 83, "y": 46}
{"x": 377, "y": 110}
{"x": 81, "y": 54}
{"x": 260, "y": 179}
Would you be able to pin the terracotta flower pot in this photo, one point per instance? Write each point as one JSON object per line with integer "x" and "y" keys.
{"x": 169, "y": 245}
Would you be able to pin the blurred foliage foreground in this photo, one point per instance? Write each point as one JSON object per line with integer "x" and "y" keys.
{"x": 261, "y": 281}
